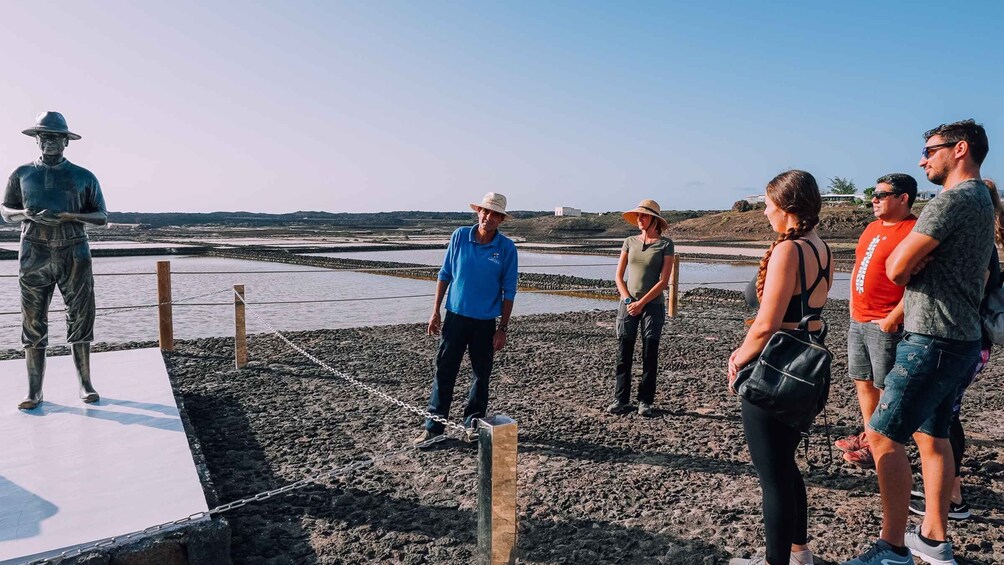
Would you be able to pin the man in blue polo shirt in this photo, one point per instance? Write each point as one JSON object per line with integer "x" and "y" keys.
{"x": 480, "y": 271}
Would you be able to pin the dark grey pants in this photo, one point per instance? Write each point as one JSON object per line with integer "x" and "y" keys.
{"x": 650, "y": 322}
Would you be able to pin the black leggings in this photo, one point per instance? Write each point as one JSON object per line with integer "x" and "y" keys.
{"x": 785, "y": 509}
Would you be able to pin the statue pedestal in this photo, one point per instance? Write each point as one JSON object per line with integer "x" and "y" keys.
{"x": 74, "y": 473}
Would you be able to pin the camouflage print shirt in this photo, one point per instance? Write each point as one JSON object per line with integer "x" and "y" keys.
{"x": 943, "y": 299}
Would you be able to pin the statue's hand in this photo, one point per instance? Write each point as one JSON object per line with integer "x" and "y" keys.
{"x": 47, "y": 218}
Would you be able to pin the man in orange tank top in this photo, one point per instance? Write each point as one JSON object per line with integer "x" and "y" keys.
{"x": 876, "y": 325}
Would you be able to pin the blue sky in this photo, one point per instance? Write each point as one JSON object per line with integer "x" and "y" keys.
{"x": 378, "y": 105}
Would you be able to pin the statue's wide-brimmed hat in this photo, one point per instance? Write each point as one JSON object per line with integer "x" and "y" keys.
{"x": 492, "y": 201}
{"x": 648, "y": 207}
{"x": 50, "y": 122}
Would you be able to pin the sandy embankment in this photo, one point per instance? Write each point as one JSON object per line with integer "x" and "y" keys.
{"x": 594, "y": 488}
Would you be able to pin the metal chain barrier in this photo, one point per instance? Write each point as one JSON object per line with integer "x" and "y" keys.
{"x": 261, "y": 496}
{"x": 350, "y": 378}
{"x": 117, "y": 309}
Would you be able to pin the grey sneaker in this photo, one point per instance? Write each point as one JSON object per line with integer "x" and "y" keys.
{"x": 619, "y": 407}
{"x": 801, "y": 558}
{"x": 750, "y": 561}
{"x": 940, "y": 554}
{"x": 644, "y": 409}
{"x": 425, "y": 441}
{"x": 881, "y": 554}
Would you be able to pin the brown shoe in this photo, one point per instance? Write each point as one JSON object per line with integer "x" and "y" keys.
{"x": 426, "y": 440}
{"x": 861, "y": 458}
{"x": 852, "y": 443}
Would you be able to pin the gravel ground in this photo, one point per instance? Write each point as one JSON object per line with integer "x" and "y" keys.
{"x": 593, "y": 488}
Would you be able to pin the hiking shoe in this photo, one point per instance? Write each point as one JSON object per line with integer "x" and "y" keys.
{"x": 619, "y": 407}
{"x": 940, "y": 554}
{"x": 750, "y": 561}
{"x": 955, "y": 511}
{"x": 425, "y": 441}
{"x": 881, "y": 554}
{"x": 852, "y": 443}
{"x": 861, "y": 458}
{"x": 644, "y": 409}
{"x": 917, "y": 494}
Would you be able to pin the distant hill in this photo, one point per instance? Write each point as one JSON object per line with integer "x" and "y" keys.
{"x": 836, "y": 222}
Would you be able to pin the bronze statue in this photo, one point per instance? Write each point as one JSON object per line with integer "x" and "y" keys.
{"x": 53, "y": 199}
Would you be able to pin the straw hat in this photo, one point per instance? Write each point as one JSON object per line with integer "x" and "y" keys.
{"x": 50, "y": 122}
{"x": 649, "y": 207}
{"x": 492, "y": 201}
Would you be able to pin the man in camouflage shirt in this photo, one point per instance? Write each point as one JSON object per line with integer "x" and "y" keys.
{"x": 943, "y": 264}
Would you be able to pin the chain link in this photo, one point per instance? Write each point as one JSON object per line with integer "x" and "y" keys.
{"x": 353, "y": 380}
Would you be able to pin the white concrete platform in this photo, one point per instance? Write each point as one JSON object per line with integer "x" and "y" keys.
{"x": 73, "y": 473}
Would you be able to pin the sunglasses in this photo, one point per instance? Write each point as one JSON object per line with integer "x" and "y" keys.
{"x": 881, "y": 195}
{"x": 932, "y": 149}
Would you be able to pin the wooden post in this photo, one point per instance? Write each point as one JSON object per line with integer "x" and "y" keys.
{"x": 674, "y": 286}
{"x": 497, "y": 490}
{"x": 165, "y": 311}
{"x": 240, "y": 329}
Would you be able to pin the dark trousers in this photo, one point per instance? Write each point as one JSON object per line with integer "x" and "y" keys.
{"x": 772, "y": 448}
{"x": 43, "y": 269}
{"x": 460, "y": 334}
{"x": 650, "y": 322}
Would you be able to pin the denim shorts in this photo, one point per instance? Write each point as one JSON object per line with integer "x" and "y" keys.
{"x": 871, "y": 352}
{"x": 921, "y": 388}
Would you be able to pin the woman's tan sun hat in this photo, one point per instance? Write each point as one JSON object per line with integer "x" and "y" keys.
{"x": 647, "y": 206}
{"x": 492, "y": 201}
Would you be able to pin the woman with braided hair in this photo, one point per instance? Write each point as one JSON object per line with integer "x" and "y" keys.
{"x": 793, "y": 204}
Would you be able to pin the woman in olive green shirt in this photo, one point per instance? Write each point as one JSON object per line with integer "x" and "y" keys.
{"x": 647, "y": 259}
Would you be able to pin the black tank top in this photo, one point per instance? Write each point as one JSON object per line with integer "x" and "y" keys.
{"x": 795, "y": 311}
{"x": 793, "y": 314}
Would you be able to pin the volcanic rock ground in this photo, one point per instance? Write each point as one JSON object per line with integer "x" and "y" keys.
{"x": 593, "y": 488}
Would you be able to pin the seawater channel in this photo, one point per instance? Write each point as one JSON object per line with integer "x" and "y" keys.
{"x": 369, "y": 298}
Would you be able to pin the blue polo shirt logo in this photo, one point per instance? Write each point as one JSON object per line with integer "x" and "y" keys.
{"x": 496, "y": 258}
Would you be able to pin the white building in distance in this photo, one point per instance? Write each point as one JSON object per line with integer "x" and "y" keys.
{"x": 567, "y": 211}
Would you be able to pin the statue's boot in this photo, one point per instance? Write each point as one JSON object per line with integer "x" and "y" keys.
{"x": 35, "y": 360}
{"x": 82, "y": 360}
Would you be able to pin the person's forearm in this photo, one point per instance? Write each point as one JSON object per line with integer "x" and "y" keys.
{"x": 506, "y": 312}
{"x": 441, "y": 287}
{"x": 655, "y": 291}
{"x": 896, "y": 315}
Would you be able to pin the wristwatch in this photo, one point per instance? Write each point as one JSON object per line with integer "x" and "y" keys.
{"x": 628, "y": 300}
{"x": 504, "y": 329}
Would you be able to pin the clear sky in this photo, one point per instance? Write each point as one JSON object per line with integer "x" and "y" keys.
{"x": 377, "y": 105}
